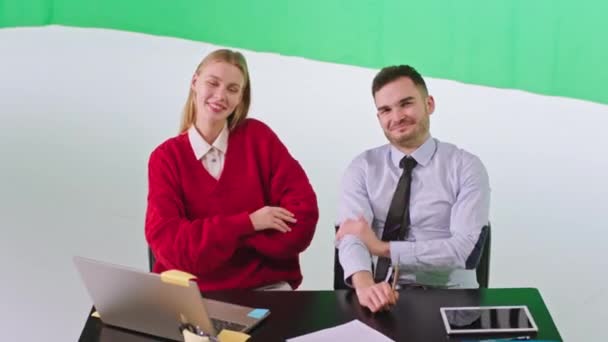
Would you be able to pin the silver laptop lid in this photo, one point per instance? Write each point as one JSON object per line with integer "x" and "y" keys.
{"x": 141, "y": 301}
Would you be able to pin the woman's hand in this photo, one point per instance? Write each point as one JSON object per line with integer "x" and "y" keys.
{"x": 272, "y": 218}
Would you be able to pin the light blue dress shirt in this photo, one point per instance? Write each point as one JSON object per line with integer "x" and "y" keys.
{"x": 449, "y": 205}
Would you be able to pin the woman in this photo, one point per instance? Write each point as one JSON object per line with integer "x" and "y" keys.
{"x": 226, "y": 201}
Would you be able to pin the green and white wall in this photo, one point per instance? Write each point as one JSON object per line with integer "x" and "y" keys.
{"x": 89, "y": 88}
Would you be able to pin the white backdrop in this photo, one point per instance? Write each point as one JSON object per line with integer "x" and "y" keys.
{"x": 80, "y": 111}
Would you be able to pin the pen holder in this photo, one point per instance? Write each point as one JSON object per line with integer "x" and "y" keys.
{"x": 191, "y": 337}
{"x": 189, "y": 331}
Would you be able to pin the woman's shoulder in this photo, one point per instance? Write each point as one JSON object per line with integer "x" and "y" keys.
{"x": 255, "y": 125}
{"x": 171, "y": 146}
{"x": 255, "y": 129}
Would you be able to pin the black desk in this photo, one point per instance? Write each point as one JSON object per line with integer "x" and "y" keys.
{"x": 415, "y": 318}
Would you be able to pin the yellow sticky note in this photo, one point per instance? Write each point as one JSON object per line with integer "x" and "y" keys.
{"x": 95, "y": 314}
{"x": 176, "y": 277}
{"x": 232, "y": 336}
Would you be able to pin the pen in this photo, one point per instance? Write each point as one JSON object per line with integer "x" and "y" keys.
{"x": 395, "y": 276}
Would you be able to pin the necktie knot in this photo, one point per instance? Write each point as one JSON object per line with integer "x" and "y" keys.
{"x": 407, "y": 163}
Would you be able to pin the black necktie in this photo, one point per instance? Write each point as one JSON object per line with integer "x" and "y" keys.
{"x": 398, "y": 217}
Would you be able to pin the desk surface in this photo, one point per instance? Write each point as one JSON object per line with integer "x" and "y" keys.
{"x": 415, "y": 318}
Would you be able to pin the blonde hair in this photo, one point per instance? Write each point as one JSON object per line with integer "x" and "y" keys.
{"x": 240, "y": 112}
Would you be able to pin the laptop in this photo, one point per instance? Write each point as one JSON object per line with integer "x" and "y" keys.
{"x": 141, "y": 301}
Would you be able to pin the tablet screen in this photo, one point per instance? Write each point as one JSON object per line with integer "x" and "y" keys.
{"x": 488, "y": 319}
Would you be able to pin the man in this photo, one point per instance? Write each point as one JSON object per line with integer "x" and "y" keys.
{"x": 416, "y": 201}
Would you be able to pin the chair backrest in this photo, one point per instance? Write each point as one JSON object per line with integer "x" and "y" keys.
{"x": 483, "y": 267}
{"x": 482, "y": 264}
{"x": 151, "y": 259}
{"x": 339, "y": 283}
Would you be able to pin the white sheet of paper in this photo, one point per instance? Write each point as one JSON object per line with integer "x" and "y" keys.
{"x": 354, "y": 330}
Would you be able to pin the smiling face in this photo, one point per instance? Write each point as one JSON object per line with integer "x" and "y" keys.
{"x": 218, "y": 89}
{"x": 403, "y": 111}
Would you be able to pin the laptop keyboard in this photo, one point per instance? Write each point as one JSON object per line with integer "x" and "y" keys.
{"x": 219, "y": 325}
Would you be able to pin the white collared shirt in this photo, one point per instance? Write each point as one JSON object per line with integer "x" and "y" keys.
{"x": 449, "y": 205}
{"x": 211, "y": 156}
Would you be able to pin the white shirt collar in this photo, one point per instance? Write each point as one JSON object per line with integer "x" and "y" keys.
{"x": 422, "y": 154}
{"x": 201, "y": 147}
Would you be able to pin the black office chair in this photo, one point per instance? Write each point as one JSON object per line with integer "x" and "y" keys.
{"x": 483, "y": 266}
{"x": 481, "y": 263}
{"x": 151, "y": 259}
{"x": 339, "y": 283}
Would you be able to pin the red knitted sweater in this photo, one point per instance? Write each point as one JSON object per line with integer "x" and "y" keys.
{"x": 201, "y": 225}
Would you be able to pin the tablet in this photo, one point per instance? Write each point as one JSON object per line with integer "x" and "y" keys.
{"x": 487, "y": 319}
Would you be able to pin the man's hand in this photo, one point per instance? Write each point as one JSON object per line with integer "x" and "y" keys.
{"x": 375, "y": 297}
{"x": 361, "y": 229}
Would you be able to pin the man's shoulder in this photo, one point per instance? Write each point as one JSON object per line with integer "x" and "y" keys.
{"x": 458, "y": 157}
{"x": 450, "y": 150}
{"x": 372, "y": 155}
